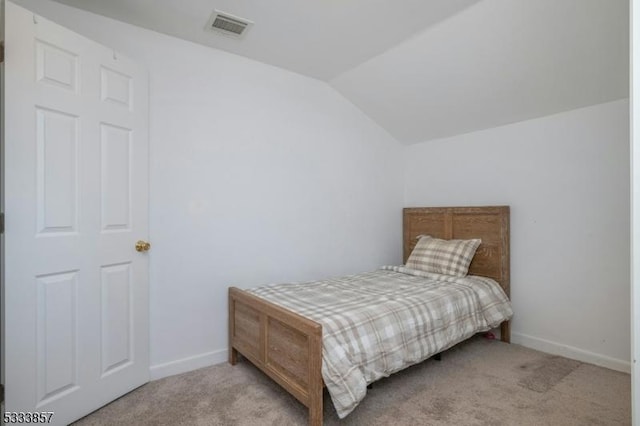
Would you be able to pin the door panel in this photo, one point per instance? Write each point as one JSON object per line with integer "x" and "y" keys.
{"x": 76, "y": 202}
{"x": 57, "y": 345}
{"x": 116, "y": 177}
{"x": 117, "y": 330}
{"x": 57, "y": 171}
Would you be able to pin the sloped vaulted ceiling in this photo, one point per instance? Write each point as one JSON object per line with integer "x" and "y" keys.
{"x": 423, "y": 69}
{"x": 497, "y": 62}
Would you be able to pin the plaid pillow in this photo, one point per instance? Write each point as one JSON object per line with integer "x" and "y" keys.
{"x": 449, "y": 257}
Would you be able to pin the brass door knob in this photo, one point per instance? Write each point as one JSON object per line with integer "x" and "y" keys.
{"x": 142, "y": 246}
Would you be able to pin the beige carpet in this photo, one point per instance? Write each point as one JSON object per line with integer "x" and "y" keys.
{"x": 479, "y": 382}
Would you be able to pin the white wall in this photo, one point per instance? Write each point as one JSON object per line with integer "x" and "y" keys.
{"x": 566, "y": 178}
{"x": 258, "y": 175}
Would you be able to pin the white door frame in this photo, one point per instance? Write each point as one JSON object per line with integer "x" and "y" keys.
{"x": 2, "y": 268}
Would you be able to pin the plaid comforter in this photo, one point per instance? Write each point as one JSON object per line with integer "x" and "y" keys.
{"x": 377, "y": 323}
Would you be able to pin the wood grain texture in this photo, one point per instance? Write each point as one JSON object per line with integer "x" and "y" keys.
{"x": 490, "y": 224}
{"x": 284, "y": 345}
{"x": 288, "y": 347}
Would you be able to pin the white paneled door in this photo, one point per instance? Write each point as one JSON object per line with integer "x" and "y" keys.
{"x": 76, "y": 202}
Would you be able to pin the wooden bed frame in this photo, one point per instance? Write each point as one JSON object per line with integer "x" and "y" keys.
{"x": 288, "y": 347}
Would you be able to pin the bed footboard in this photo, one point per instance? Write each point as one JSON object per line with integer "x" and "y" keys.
{"x": 284, "y": 345}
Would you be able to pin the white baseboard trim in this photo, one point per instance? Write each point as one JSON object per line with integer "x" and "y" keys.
{"x": 571, "y": 352}
{"x": 191, "y": 363}
{"x": 207, "y": 359}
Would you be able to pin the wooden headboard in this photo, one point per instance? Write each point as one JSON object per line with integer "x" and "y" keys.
{"x": 490, "y": 224}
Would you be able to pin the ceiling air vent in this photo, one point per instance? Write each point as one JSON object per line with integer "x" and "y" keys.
{"x": 229, "y": 25}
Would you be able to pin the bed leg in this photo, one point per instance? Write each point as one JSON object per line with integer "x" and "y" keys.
{"x": 505, "y": 331}
{"x": 233, "y": 352}
{"x": 315, "y": 378}
{"x": 315, "y": 414}
{"x": 315, "y": 404}
{"x": 233, "y": 356}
